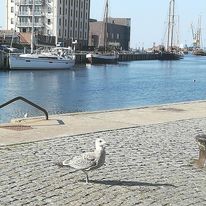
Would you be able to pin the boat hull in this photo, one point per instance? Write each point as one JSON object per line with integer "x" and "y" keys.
{"x": 199, "y": 53}
{"x": 169, "y": 56}
{"x": 102, "y": 59}
{"x": 23, "y": 63}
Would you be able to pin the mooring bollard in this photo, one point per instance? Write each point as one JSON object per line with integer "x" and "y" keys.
{"x": 201, "y": 140}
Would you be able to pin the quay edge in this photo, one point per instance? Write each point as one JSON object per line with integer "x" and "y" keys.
{"x": 81, "y": 58}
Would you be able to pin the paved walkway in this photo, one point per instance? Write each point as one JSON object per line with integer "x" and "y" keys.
{"x": 148, "y": 163}
{"x": 81, "y": 123}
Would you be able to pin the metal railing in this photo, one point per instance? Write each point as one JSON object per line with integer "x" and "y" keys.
{"x": 27, "y": 101}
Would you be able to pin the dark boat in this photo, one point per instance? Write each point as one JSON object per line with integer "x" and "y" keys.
{"x": 166, "y": 55}
{"x": 105, "y": 58}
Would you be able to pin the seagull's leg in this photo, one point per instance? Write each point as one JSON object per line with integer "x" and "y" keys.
{"x": 87, "y": 177}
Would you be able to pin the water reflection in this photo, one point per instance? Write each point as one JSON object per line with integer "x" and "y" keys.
{"x": 91, "y": 88}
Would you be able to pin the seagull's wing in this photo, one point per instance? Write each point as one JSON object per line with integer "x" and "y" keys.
{"x": 82, "y": 162}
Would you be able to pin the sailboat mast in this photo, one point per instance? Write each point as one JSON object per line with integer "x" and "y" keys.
{"x": 171, "y": 20}
{"x": 168, "y": 26}
{"x": 106, "y": 25}
{"x": 32, "y": 28}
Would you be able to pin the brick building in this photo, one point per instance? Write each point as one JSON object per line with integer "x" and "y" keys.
{"x": 118, "y": 33}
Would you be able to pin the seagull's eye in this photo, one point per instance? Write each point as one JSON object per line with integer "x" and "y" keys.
{"x": 100, "y": 141}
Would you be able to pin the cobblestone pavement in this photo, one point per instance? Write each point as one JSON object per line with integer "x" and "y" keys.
{"x": 145, "y": 165}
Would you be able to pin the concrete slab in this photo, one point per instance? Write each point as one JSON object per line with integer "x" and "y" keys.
{"x": 80, "y": 123}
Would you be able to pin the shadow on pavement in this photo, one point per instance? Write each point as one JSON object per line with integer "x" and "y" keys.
{"x": 129, "y": 183}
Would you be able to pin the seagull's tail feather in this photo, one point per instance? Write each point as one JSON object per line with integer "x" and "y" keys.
{"x": 62, "y": 164}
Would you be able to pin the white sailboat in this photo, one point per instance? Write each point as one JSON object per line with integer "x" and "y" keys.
{"x": 104, "y": 57}
{"x": 43, "y": 60}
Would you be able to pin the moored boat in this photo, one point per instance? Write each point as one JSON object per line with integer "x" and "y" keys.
{"x": 167, "y": 55}
{"x": 199, "y": 52}
{"x": 105, "y": 58}
{"x": 49, "y": 60}
{"x": 40, "y": 61}
{"x": 171, "y": 52}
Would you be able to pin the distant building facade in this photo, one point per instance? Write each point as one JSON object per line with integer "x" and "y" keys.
{"x": 118, "y": 33}
{"x": 67, "y": 20}
{"x": 6, "y": 36}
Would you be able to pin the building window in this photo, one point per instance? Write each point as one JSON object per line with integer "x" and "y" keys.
{"x": 60, "y": 22}
{"x": 12, "y": 9}
{"x": 118, "y": 35}
{"x": 12, "y": 21}
{"x": 59, "y": 32}
{"x": 49, "y": 21}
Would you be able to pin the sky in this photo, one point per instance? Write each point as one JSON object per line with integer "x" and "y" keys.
{"x": 148, "y": 18}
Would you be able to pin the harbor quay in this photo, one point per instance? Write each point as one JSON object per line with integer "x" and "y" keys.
{"x": 149, "y": 157}
{"x": 80, "y": 58}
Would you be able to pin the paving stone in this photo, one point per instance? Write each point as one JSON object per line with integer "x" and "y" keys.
{"x": 145, "y": 165}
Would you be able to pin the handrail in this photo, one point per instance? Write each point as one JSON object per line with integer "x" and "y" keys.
{"x": 27, "y": 101}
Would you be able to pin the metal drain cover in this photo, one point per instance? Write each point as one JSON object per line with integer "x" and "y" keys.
{"x": 16, "y": 127}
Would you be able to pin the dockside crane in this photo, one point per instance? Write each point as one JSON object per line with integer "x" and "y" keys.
{"x": 196, "y": 35}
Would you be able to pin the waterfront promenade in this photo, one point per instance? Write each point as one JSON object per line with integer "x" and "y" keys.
{"x": 148, "y": 163}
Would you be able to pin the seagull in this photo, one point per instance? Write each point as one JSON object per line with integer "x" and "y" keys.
{"x": 25, "y": 115}
{"x": 89, "y": 160}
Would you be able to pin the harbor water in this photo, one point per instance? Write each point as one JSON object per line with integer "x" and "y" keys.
{"x": 104, "y": 87}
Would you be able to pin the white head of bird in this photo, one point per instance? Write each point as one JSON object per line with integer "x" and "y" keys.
{"x": 100, "y": 144}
